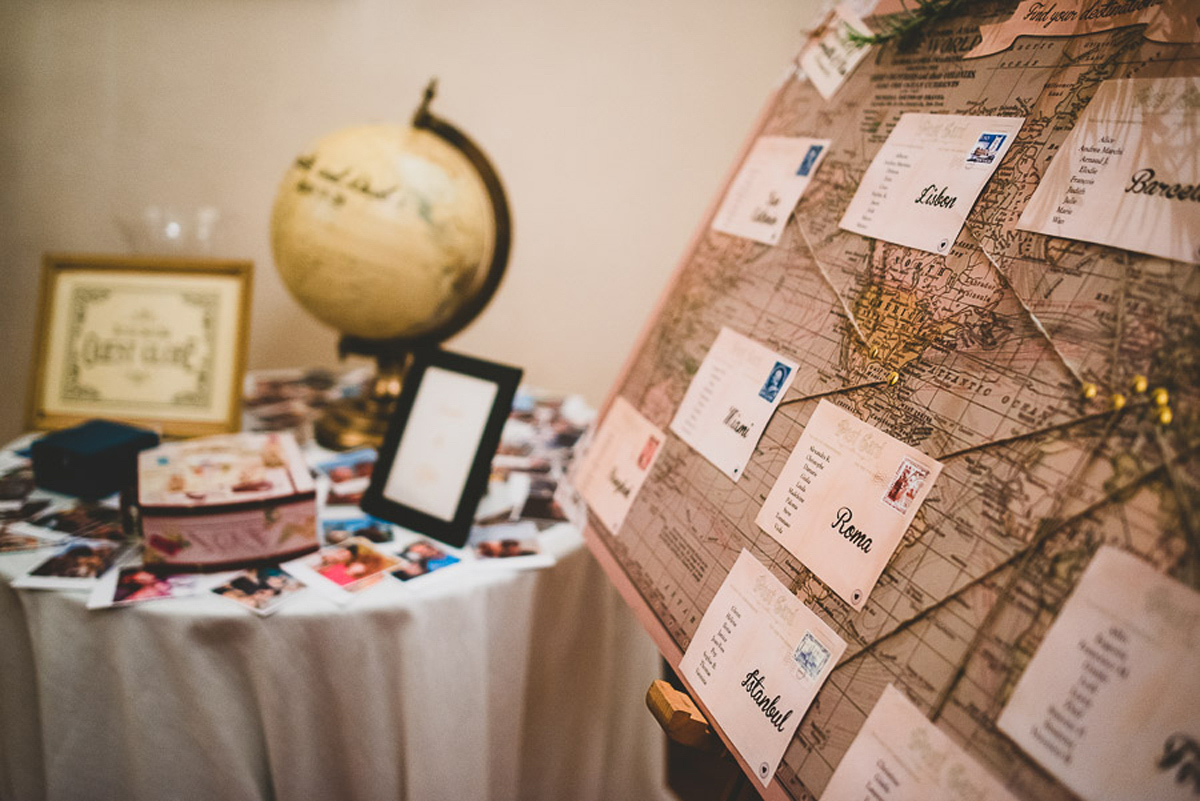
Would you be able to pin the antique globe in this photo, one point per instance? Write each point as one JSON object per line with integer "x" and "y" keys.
{"x": 397, "y": 236}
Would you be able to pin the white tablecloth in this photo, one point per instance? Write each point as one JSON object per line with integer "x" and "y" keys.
{"x": 473, "y": 684}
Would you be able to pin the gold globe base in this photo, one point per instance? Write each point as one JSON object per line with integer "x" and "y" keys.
{"x": 354, "y": 423}
{"x": 363, "y": 422}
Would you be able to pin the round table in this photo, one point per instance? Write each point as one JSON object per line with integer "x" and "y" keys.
{"x": 481, "y": 682}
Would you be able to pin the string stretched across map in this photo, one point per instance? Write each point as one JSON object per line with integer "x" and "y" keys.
{"x": 1010, "y": 349}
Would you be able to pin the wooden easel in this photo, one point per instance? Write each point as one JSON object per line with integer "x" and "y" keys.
{"x": 684, "y": 723}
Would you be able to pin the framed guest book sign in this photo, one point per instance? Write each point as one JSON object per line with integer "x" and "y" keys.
{"x": 156, "y": 341}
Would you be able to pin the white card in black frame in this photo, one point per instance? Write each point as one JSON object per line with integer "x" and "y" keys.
{"x": 435, "y": 460}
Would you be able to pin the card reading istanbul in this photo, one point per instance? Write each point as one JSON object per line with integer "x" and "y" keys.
{"x": 924, "y": 180}
{"x": 730, "y": 400}
{"x": 899, "y": 755}
{"x": 1128, "y": 174}
{"x": 617, "y": 463}
{"x": 1110, "y": 702}
{"x": 768, "y": 186}
{"x": 844, "y": 499}
{"x": 756, "y": 661}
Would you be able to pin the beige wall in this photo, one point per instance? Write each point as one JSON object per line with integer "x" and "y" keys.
{"x": 612, "y": 124}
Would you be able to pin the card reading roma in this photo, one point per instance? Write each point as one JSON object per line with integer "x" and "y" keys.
{"x": 756, "y": 662}
{"x": 845, "y": 498}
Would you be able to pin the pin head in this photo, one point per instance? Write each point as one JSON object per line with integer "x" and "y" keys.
{"x": 1089, "y": 390}
{"x": 1161, "y": 396}
{"x": 1140, "y": 383}
{"x": 1164, "y": 416}
{"x": 1118, "y": 401}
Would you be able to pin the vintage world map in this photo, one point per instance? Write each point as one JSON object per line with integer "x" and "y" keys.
{"x": 1010, "y": 352}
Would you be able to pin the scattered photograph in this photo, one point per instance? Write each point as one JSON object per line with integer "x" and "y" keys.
{"x": 75, "y": 565}
{"x": 339, "y": 530}
{"x": 87, "y": 520}
{"x": 27, "y": 510}
{"x": 15, "y": 486}
{"x": 262, "y": 590}
{"x": 421, "y": 558}
{"x": 15, "y": 542}
{"x": 351, "y": 566}
{"x": 349, "y": 472}
{"x": 135, "y": 584}
{"x": 336, "y": 497}
{"x": 540, "y": 503}
{"x": 513, "y": 545}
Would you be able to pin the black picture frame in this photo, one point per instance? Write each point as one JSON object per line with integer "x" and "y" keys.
{"x": 436, "y": 457}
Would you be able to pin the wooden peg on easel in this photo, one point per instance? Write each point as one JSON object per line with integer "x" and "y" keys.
{"x": 680, "y": 718}
{"x": 684, "y": 723}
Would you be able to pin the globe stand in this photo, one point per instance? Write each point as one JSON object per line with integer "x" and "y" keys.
{"x": 362, "y": 422}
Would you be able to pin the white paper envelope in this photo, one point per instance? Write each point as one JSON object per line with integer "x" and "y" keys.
{"x": 731, "y": 399}
{"x": 757, "y": 660}
{"x": 770, "y": 182}
{"x": 1128, "y": 174}
{"x": 924, "y": 180}
{"x": 620, "y": 457}
{"x": 1122, "y": 656}
{"x": 900, "y": 756}
{"x": 844, "y": 499}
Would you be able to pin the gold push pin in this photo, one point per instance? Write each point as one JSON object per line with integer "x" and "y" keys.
{"x": 1140, "y": 383}
{"x": 1161, "y": 396}
{"x": 1089, "y": 390}
{"x": 1118, "y": 401}
{"x": 874, "y": 352}
{"x": 893, "y": 378}
{"x": 1164, "y": 416}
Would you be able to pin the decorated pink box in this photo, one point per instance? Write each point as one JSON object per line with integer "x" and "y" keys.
{"x": 224, "y": 502}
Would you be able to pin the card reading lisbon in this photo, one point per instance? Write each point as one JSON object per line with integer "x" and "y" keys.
{"x": 730, "y": 400}
{"x": 617, "y": 463}
{"x": 899, "y": 755}
{"x": 1121, "y": 658}
{"x": 831, "y": 55}
{"x": 924, "y": 180}
{"x": 1128, "y": 174}
{"x": 773, "y": 177}
{"x": 756, "y": 662}
{"x": 844, "y": 499}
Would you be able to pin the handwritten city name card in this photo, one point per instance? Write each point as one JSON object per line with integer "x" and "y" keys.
{"x": 844, "y": 499}
{"x": 768, "y": 186}
{"x": 922, "y": 183}
{"x": 1165, "y": 21}
{"x": 756, "y": 662}
{"x": 831, "y": 55}
{"x": 899, "y": 755}
{"x": 1128, "y": 174}
{"x": 1110, "y": 703}
{"x": 616, "y": 464}
{"x": 730, "y": 400}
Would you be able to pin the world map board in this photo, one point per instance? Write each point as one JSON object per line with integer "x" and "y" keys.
{"x": 1018, "y": 359}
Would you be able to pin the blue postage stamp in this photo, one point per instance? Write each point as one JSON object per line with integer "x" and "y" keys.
{"x": 811, "y": 656}
{"x": 810, "y": 158}
{"x": 779, "y": 374}
{"x": 986, "y": 148}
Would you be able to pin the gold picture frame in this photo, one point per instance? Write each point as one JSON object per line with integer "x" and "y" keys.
{"x": 154, "y": 341}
